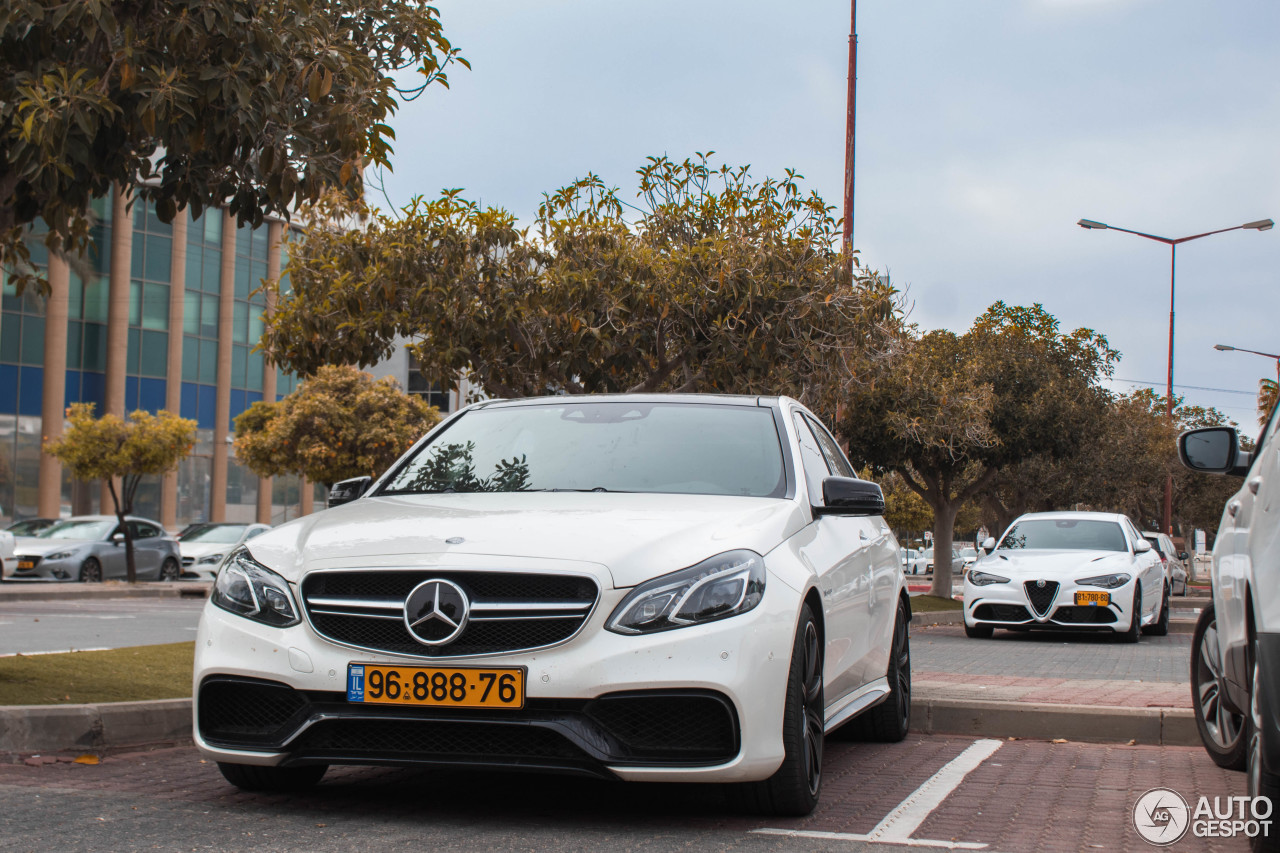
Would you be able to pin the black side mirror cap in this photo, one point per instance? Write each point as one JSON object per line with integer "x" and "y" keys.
{"x": 850, "y": 496}
{"x": 345, "y": 491}
{"x": 1213, "y": 450}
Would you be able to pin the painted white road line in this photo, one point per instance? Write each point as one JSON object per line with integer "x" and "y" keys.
{"x": 898, "y": 825}
{"x": 852, "y": 836}
{"x": 907, "y": 817}
{"x": 55, "y": 652}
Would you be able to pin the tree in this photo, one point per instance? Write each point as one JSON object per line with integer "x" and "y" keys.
{"x": 109, "y": 447}
{"x": 958, "y": 409}
{"x": 339, "y": 424}
{"x": 720, "y": 284}
{"x": 258, "y": 105}
{"x": 1268, "y": 395}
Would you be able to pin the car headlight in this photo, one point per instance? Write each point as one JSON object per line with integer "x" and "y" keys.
{"x": 978, "y": 578}
{"x": 1106, "y": 581}
{"x": 60, "y": 555}
{"x": 723, "y": 586}
{"x": 210, "y": 558}
{"x": 247, "y": 588}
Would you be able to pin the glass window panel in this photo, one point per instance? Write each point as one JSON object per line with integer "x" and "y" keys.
{"x": 32, "y": 340}
{"x": 240, "y": 325}
{"x": 11, "y": 300}
{"x": 242, "y": 279}
{"x": 212, "y": 270}
{"x": 159, "y": 258}
{"x": 244, "y": 237}
{"x": 209, "y": 316}
{"x": 255, "y": 326}
{"x": 191, "y": 313}
{"x": 257, "y": 272}
{"x": 100, "y": 250}
{"x": 10, "y": 337}
{"x": 253, "y": 379}
{"x": 193, "y": 266}
{"x": 94, "y": 350}
{"x": 137, "y": 259}
{"x": 75, "y": 333}
{"x": 97, "y": 295}
{"x": 75, "y": 296}
{"x": 154, "y": 225}
{"x": 239, "y": 357}
{"x": 190, "y": 359}
{"x": 135, "y": 303}
{"x": 260, "y": 241}
{"x": 135, "y": 345}
{"x": 213, "y": 226}
{"x": 155, "y": 353}
{"x": 139, "y": 213}
{"x": 101, "y": 207}
{"x": 209, "y": 362}
{"x": 155, "y": 306}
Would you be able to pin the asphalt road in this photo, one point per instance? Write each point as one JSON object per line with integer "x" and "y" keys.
{"x": 56, "y": 626}
{"x": 1017, "y": 796}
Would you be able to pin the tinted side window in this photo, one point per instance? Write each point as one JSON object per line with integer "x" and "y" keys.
{"x": 253, "y": 533}
{"x": 836, "y": 460}
{"x": 815, "y": 466}
{"x": 144, "y": 531}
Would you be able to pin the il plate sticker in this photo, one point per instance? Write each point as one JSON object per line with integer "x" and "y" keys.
{"x": 355, "y": 683}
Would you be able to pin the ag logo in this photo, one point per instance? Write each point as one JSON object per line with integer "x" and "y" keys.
{"x": 436, "y": 612}
{"x": 1161, "y": 816}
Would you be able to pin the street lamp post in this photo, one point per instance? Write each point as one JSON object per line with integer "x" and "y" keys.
{"x": 1172, "y": 243}
{"x": 1271, "y": 355}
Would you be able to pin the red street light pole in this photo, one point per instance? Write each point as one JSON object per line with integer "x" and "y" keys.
{"x": 848, "y": 128}
{"x": 1261, "y": 225}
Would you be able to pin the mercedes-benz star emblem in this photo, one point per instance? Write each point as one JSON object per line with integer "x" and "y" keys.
{"x": 436, "y": 612}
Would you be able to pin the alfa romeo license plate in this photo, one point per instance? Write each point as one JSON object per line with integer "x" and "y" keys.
{"x": 439, "y": 687}
{"x": 1101, "y": 599}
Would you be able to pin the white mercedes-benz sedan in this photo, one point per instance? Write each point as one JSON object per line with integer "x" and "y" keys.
{"x": 1090, "y": 571}
{"x": 662, "y": 587}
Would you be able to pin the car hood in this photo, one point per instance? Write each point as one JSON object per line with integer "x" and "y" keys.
{"x": 197, "y": 550}
{"x": 635, "y": 536}
{"x": 1054, "y": 565}
{"x": 39, "y": 547}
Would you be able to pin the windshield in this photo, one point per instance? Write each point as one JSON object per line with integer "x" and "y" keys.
{"x": 78, "y": 530}
{"x": 220, "y": 534}
{"x": 678, "y": 448}
{"x": 1065, "y": 533}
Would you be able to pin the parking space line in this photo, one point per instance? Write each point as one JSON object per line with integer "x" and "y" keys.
{"x": 908, "y": 815}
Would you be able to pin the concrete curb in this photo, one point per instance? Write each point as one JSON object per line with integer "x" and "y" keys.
{"x": 1089, "y": 723}
{"x": 49, "y": 728}
{"x": 10, "y": 592}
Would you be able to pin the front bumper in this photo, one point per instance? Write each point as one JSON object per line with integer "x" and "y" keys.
{"x": 601, "y": 703}
{"x": 1022, "y": 604}
{"x": 45, "y": 571}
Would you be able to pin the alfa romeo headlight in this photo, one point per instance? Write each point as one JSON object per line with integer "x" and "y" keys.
{"x": 723, "y": 586}
{"x": 247, "y": 588}
{"x": 978, "y": 578}
{"x": 1106, "y": 581}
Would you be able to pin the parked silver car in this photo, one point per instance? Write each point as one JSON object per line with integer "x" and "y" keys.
{"x": 204, "y": 545}
{"x": 91, "y": 548}
{"x": 1175, "y": 562}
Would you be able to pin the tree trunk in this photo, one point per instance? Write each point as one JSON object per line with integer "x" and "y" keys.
{"x": 131, "y": 567}
{"x": 944, "y": 524}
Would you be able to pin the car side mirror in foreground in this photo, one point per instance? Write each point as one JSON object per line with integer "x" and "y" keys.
{"x": 1142, "y": 546}
{"x": 850, "y": 496}
{"x": 1213, "y": 450}
{"x": 345, "y": 491}
{"x": 989, "y": 544}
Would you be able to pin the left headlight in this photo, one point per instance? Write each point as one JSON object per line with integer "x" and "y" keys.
{"x": 723, "y": 586}
{"x": 247, "y": 588}
{"x": 1106, "y": 581}
{"x": 210, "y": 558}
{"x": 978, "y": 578}
{"x": 60, "y": 555}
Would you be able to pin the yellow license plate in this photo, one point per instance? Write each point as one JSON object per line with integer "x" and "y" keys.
{"x": 1102, "y": 599}
{"x": 436, "y": 687}
{"x": 26, "y": 564}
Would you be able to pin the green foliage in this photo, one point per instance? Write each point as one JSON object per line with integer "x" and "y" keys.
{"x": 1268, "y": 396}
{"x": 451, "y": 468}
{"x": 259, "y": 105}
{"x": 719, "y": 284}
{"x": 339, "y": 424}
{"x": 110, "y": 448}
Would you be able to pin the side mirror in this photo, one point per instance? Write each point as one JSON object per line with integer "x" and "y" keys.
{"x": 850, "y": 496}
{"x": 989, "y": 544}
{"x": 117, "y": 537}
{"x": 345, "y": 491}
{"x": 1213, "y": 450}
{"x": 1142, "y": 546}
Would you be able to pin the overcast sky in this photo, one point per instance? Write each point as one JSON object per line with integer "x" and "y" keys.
{"x": 985, "y": 130}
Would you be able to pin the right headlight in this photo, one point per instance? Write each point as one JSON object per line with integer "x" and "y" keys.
{"x": 722, "y": 586}
{"x": 247, "y": 588}
{"x": 1106, "y": 581}
{"x": 978, "y": 578}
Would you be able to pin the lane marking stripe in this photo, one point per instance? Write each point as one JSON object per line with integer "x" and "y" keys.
{"x": 851, "y": 836}
{"x": 898, "y": 825}
{"x": 54, "y": 652}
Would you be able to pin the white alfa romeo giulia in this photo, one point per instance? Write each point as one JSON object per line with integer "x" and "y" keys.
{"x": 1090, "y": 571}
{"x": 667, "y": 588}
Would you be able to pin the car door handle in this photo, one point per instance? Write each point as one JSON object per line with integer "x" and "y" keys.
{"x": 1255, "y": 484}
{"x": 1233, "y": 508}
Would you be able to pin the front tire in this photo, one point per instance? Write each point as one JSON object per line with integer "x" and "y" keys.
{"x": 1222, "y": 731}
{"x": 1256, "y": 786}
{"x": 251, "y": 777}
{"x": 1135, "y": 618}
{"x": 793, "y": 790}
{"x": 889, "y": 721}
{"x": 91, "y": 571}
{"x": 979, "y": 632}
{"x": 1160, "y": 627}
{"x": 169, "y": 570}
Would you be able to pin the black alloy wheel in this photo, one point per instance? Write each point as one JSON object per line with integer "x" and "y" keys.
{"x": 793, "y": 790}
{"x": 91, "y": 571}
{"x": 1135, "y": 618}
{"x": 169, "y": 570}
{"x": 889, "y": 721}
{"x": 1222, "y": 730}
{"x": 251, "y": 777}
{"x": 979, "y": 632}
{"x": 1256, "y": 786}
{"x": 1160, "y": 627}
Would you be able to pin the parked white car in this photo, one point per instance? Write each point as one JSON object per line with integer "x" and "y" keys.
{"x": 205, "y": 545}
{"x": 1235, "y": 650}
{"x": 6, "y": 552}
{"x": 1068, "y": 571}
{"x": 1175, "y": 563}
{"x": 678, "y": 588}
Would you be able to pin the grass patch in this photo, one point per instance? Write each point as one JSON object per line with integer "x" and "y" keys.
{"x": 114, "y": 675}
{"x": 933, "y": 604}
